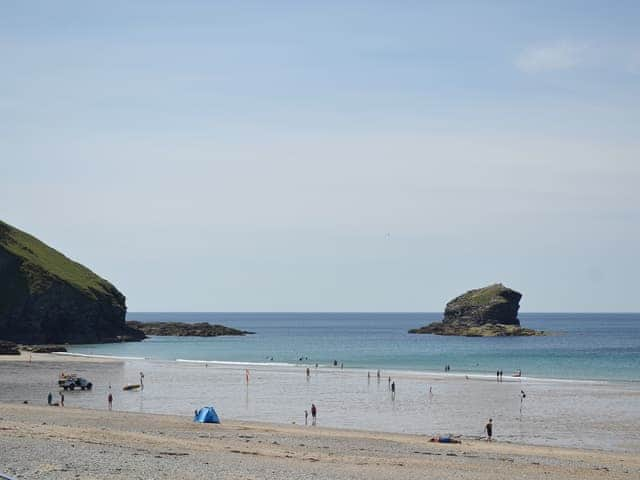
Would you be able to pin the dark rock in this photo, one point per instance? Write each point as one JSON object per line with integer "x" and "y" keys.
{"x": 46, "y": 298}
{"x": 178, "y": 329}
{"x": 485, "y": 312}
{"x": 8, "y": 348}
{"x": 43, "y": 348}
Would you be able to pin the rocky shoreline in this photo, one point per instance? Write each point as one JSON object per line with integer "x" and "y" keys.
{"x": 487, "y": 330}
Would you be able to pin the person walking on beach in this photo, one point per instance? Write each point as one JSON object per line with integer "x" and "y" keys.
{"x": 141, "y": 381}
{"x": 489, "y": 429}
{"x": 500, "y": 375}
{"x": 378, "y": 374}
{"x": 110, "y": 400}
{"x": 61, "y": 399}
{"x": 306, "y": 417}
{"x": 49, "y": 398}
{"x": 389, "y": 383}
{"x": 497, "y": 375}
{"x": 308, "y": 373}
{"x": 314, "y": 413}
{"x": 522, "y": 397}
{"x": 393, "y": 390}
{"x": 246, "y": 375}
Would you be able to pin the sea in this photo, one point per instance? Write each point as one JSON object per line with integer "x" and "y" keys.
{"x": 584, "y": 346}
{"x": 580, "y": 384}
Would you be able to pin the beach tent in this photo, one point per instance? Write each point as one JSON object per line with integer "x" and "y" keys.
{"x": 206, "y": 415}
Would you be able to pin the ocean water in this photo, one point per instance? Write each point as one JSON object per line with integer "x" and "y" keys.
{"x": 581, "y": 346}
{"x": 582, "y": 383}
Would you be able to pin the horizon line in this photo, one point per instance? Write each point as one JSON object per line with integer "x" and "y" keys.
{"x": 376, "y": 312}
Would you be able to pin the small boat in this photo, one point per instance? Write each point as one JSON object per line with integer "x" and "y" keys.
{"x": 131, "y": 387}
{"x": 517, "y": 373}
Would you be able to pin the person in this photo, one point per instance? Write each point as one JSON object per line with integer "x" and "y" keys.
{"x": 246, "y": 375}
{"x": 444, "y": 439}
{"x": 489, "y": 429}
{"x": 49, "y": 398}
{"x": 141, "y": 381}
{"x": 368, "y": 375}
{"x": 110, "y": 400}
{"x": 308, "y": 372}
{"x": 500, "y": 375}
{"x": 378, "y": 374}
{"x": 341, "y": 366}
{"x": 393, "y": 390}
{"x": 306, "y": 417}
{"x": 389, "y": 382}
{"x": 522, "y": 397}
{"x": 335, "y": 363}
{"x": 314, "y": 413}
{"x": 497, "y": 375}
{"x": 61, "y": 399}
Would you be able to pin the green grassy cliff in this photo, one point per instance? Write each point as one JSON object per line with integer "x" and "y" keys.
{"x": 45, "y": 297}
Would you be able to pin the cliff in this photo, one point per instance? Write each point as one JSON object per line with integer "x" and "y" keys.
{"x": 483, "y": 312}
{"x": 47, "y": 298}
{"x": 178, "y": 329}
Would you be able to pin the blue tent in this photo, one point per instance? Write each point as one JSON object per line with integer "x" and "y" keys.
{"x": 206, "y": 415}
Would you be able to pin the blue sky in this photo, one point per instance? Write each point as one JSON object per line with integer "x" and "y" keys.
{"x": 212, "y": 156}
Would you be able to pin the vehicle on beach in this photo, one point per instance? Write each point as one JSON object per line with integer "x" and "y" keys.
{"x": 517, "y": 373}
{"x": 72, "y": 381}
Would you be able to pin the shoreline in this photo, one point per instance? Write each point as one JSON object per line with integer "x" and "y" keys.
{"x": 348, "y": 399}
{"x": 58, "y": 443}
{"x": 396, "y": 373}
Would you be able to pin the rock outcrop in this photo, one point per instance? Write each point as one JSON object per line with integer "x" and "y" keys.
{"x": 178, "y": 329}
{"x": 9, "y": 348}
{"x": 47, "y": 298}
{"x": 485, "y": 312}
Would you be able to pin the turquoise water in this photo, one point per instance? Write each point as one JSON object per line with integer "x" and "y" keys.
{"x": 583, "y": 346}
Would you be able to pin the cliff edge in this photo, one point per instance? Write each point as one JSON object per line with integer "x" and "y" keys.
{"x": 47, "y": 298}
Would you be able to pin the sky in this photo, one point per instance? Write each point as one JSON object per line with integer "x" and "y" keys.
{"x": 328, "y": 156}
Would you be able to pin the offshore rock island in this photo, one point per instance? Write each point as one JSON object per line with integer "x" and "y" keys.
{"x": 47, "y": 298}
{"x": 484, "y": 312}
{"x": 179, "y": 329}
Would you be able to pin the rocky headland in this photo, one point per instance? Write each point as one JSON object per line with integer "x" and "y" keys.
{"x": 178, "y": 329}
{"x": 484, "y": 312}
{"x": 47, "y": 298}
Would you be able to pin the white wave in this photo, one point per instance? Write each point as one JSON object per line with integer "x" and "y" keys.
{"x": 222, "y": 362}
{"x": 90, "y": 355}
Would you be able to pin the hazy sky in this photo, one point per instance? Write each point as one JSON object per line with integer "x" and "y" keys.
{"x": 328, "y": 156}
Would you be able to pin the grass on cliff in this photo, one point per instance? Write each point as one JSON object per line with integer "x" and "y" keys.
{"x": 486, "y": 295}
{"x": 41, "y": 262}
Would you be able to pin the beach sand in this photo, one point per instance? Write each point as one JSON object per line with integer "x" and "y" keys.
{"x": 27, "y": 357}
{"x": 39, "y": 442}
{"x": 582, "y": 415}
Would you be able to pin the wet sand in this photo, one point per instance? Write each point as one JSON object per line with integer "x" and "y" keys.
{"x": 68, "y": 443}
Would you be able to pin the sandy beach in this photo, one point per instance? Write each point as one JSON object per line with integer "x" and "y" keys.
{"x": 69, "y": 443}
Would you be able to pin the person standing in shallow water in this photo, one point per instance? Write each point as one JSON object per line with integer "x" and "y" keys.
{"x": 314, "y": 413}
{"x": 489, "y": 429}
